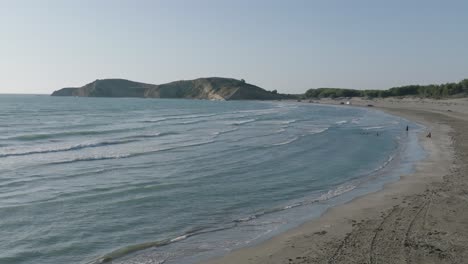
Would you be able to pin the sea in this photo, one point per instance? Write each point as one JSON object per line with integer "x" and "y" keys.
{"x": 130, "y": 180}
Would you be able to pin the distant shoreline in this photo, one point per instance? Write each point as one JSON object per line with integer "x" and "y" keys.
{"x": 354, "y": 232}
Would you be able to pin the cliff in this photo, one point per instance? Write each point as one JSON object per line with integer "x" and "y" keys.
{"x": 202, "y": 88}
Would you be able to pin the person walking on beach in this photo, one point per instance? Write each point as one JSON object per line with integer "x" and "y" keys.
{"x": 407, "y": 128}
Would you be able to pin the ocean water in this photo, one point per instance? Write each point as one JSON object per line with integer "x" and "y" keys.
{"x": 92, "y": 180}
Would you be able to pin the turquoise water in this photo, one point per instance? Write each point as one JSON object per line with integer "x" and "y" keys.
{"x": 84, "y": 180}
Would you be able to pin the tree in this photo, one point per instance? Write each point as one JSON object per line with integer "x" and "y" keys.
{"x": 274, "y": 92}
{"x": 242, "y": 81}
{"x": 464, "y": 85}
{"x": 423, "y": 91}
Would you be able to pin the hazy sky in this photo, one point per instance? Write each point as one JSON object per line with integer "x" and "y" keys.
{"x": 286, "y": 45}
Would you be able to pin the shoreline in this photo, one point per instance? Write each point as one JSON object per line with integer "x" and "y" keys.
{"x": 382, "y": 226}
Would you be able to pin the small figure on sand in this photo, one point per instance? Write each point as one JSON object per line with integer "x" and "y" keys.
{"x": 407, "y": 128}
{"x": 429, "y": 135}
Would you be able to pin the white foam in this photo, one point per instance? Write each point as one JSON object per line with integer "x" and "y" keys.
{"x": 179, "y": 238}
{"x": 318, "y": 130}
{"x": 375, "y": 127}
{"x": 292, "y": 206}
{"x": 281, "y": 130}
{"x": 287, "y": 122}
{"x": 175, "y": 117}
{"x": 241, "y": 122}
{"x": 336, "y": 192}
{"x": 286, "y": 142}
{"x": 279, "y": 122}
{"x": 259, "y": 111}
{"x": 217, "y": 133}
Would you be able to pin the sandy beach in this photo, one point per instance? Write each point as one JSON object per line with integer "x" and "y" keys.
{"x": 422, "y": 218}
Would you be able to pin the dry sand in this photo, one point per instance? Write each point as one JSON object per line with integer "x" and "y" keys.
{"x": 423, "y": 218}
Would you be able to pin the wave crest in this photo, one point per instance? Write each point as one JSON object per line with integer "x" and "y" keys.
{"x": 65, "y": 149}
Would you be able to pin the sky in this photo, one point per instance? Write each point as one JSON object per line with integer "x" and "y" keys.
{"x": 290, "y": 45}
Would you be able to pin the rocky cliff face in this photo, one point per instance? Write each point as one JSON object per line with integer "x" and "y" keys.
{"x": 203, "y": 88}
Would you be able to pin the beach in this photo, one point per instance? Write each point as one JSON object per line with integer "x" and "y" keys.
{"x": 419, "y": 219}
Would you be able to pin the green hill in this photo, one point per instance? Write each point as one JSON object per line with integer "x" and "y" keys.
{"x": 213, "y": 88}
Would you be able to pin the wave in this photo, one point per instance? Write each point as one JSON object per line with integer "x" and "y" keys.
{"x": 176, "y": 117}
{"x": 216, "y": 134}
{"x": 389, "y": 159}
{"x": 329, "y": 195}
{"x": 280, "y": 122}
{"x": 286, "y": 142}
{"x": 65, "y": 149}
{"x": 336, "y": 192}
{"x": 292, "y": 206}
{"x": 318, "y": 130}
{"x": 124, "y": 251}
{"x": 287, "y": 122}
{"x": 372, "y": 128}
{"x": 33, "y": 137}
{"x": 95, "y": 158}
{"x": 108, "y": 258}
{"x": 281, "y": 130}
{"x": 157, "y": 120}
{"x": 191, "y": 122}
{"x": 324, "y": 197}
{"x": 130, "y": 155}
{"x": 258, "y": 112}
{"x": 307, "y": 132}
{"x": 242, "y": 122}
{"x": 153, "y": 135}
{"x": 341, "y": 122}
{"x": 53, "y": 135}
{"x": 124, "y": 140}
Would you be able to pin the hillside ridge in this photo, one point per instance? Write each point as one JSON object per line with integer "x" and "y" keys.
{"x": 212, "y": 88}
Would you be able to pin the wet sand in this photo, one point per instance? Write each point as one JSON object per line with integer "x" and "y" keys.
{"x": 422, "y": 218}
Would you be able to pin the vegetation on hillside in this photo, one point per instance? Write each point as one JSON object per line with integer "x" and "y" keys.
{"x": 212, "y": 88}
{"x": 423, "y": 91}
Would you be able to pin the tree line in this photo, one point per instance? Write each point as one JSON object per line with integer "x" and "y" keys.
{"x": 423, "y": 91}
